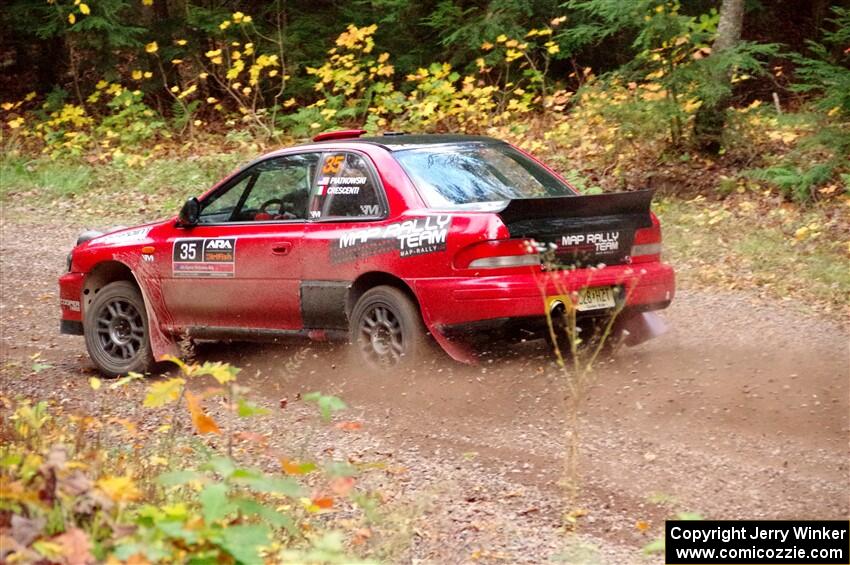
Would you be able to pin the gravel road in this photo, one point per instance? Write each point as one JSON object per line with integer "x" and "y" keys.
{"x": 741, "y": 411}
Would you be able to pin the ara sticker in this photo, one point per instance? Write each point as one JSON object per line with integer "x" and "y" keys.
{"x": 204, "y": 257}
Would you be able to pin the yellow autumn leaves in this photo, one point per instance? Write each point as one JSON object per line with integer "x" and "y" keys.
{"x": 119, "y": 489}
{"x": 536, "y": 40}
{"x": 170, "y": 390}
{"x": 237, "y": 18}
{"x": 79, "y": 7}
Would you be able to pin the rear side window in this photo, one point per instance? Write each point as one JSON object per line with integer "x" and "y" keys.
{"x": 346, "y": 188}
{"x": 469, "y": 175}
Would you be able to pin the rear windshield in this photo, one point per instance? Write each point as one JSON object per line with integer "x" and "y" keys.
{"x": 477, "y": 176}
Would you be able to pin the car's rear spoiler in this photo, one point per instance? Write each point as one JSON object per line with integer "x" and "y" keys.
{"x": 631, "y": 207}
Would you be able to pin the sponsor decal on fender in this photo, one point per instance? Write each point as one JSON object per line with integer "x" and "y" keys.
{"x": 204, "y": 257}
{"x": 416, "y": 236}
{"x": 73, "y": 305}
{"x": 126, "y": 236}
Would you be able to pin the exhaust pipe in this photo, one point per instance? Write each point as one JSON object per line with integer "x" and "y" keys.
{"x": 557, "y": 308}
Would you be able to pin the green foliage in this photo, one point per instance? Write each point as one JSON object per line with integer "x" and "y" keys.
{"x": 581, "y": 182}
{"x": 794, "y": 181}
{"x": 49, "y": 178}
{"x": 617, "y": 86}
{"x": 672, "y": 52}
{"x": 824, "y": 154}
{"x": 130, "y": 121}
{"x": 142, "y": 501}
{"x": 109, "y": 25}
{"x": 786, "y": 252}
{"x": 827, "y": 71}
{"x": 327, "y": 404}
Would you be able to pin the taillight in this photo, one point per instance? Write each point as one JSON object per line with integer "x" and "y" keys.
{"x": 498, "y": 254}
{"x": 647, "y": 244}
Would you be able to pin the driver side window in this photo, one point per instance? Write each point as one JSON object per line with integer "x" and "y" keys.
{"x": 273, "y": 190}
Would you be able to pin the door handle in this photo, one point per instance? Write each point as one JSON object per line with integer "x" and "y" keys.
{"x": 282, "y": 248}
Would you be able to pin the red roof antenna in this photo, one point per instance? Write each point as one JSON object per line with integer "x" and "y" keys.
{"x": 339, "y": 134}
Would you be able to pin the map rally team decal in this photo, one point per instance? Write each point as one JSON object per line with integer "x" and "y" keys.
{"x": 600, "y": 243}
{"x": 412, "y": 237}
{"x": 204, "y": 257}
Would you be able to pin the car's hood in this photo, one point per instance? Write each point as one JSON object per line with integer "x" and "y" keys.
{"x": 118, "y": 235}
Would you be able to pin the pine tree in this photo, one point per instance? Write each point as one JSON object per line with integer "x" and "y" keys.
{"x": 711, "y": 116}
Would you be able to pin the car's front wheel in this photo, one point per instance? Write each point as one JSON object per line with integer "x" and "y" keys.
{"x": 116, "y": 330}
{"x": 387, "y": 330}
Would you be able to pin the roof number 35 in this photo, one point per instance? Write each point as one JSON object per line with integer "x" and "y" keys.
{"x": 332, "y": 164}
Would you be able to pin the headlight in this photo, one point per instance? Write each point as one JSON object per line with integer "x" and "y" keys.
{"x": 87, "y": 235}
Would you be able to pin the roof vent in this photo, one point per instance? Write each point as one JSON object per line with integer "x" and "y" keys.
{"x": 339, "y": 134}
{"x": 394, "y": 133}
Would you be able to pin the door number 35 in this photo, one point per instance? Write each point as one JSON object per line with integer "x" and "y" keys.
{"x": 188, "y": 251}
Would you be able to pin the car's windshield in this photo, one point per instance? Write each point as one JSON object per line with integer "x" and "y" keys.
{"x": 471, "y": 176}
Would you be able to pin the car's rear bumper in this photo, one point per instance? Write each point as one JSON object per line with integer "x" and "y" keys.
{"x": 70, "y": 303}
{"x": 455, "y": 301}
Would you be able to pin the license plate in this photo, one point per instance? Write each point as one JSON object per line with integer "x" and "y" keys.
{"x": 596, "y": 298}
{"x": 591, "y": 298}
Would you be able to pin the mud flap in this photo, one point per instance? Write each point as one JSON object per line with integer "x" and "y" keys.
{"x": 147, "y": 278}
{"x": 643, "y": 327}
{"x": 457, "y": 350}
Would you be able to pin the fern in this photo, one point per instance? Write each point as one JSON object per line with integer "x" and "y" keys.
{"x": 826, "y": 77}
{"x": 182, "y": 113}
{"x": 824, "y": 73}
{"x": 795, "y": 182}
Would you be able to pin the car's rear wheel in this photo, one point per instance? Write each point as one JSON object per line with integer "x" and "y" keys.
{"x": 116, "y": 330}
{"x": 387, "y": 330}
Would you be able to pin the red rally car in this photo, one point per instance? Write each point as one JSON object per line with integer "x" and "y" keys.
{"x": 380, "y": 240}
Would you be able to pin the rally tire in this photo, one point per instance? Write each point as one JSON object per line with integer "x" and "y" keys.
{"x": 387, "y": 331}
{"x": 117, "y": 332}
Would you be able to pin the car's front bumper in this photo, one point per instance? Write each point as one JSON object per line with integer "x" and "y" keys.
{"x": 70, "y": 303}
{"x": 456, "y": 301}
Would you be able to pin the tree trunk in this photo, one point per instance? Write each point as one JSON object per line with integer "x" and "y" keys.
{"x": 711, "y": 118}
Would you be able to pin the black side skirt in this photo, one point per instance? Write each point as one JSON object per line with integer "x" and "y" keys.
{"x": 323, "y": 304}
{"x": 70, "y": 327}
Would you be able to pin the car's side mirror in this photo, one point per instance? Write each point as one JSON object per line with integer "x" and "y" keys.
{"x": 189, "y": 213}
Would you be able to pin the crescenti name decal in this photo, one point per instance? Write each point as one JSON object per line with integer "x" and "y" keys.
{"x": 416, "y": 236}
{"x": 341, "y": 185}
{"x": 204, "y": 257}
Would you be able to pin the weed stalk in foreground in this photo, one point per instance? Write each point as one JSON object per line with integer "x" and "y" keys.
{"x": 576, "y": 363}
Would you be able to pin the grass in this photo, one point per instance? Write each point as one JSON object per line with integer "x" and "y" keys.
{"x": 48, "y": 178}
{"x": 113, "y": 191}
{"x": 747, "y": 242}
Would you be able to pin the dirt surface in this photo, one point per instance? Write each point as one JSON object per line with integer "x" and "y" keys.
{"x": 741, "y": 411}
